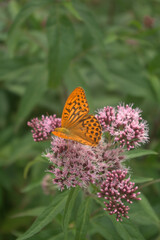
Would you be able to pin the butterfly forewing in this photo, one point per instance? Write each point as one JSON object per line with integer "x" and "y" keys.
{"x": 76, "y": 107}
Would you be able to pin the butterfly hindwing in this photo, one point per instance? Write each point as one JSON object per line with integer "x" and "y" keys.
{"x": 88, "y": 129}
{"x": 73, "y": 137}
{"x": 76, "y": 107}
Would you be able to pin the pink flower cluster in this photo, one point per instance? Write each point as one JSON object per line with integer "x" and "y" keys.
{"x": 72, "y": 163}
{"x": 76, "y": 164}
{"x": 115, "y": 189}
{"x": 41, "y": 129}
{"x": 124, "y": 124}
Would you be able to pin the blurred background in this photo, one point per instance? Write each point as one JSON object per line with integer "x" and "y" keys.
{"x": 48, "y": 48}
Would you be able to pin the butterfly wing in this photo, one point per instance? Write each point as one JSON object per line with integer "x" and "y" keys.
{"x": 87, "y": 131}
{"x": 78, "y": 138}
{"x": 76, "y": 107}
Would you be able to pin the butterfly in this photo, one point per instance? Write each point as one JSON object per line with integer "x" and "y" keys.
{"x": 76, "y": 123}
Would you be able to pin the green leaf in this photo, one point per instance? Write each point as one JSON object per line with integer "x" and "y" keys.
{"x": 142, "y": 212}
{"x": 27, "y": 10}
{"x": 30, "y": 164}
{"x": 140, "y": 179}
{"x": 133, "y": 231}
{"x": 105, "y": 229}
{"x": 83, "y": 219}
{"x": 112, "y": 37}
{"x": 139, "y": 153}
{"x": 10, "y": 66}
{"x": 23, "y": 15}
{"x": 123, "y": 233}
{"x": 108, "y": 231}
{"x": 155, "y": 85}
{"x": 100, "y": 66}
{"x": 6, "y": 135}
{"x": 120, "y": 80}
{"x": 4, "y": 106}
{"x": 69, "y": 208}
{"x": 72, "y": 10}
{"x": 34, "y": 92}
{"x": 61, "y": 47}
{"x": 34, "y": 212}
{"x": 91, "y": 24}
{"x": 16, "y": 149}
{"x": 46, "y": 216}
{"x": 60, "y": 236}
{"x": 32, "y": 186}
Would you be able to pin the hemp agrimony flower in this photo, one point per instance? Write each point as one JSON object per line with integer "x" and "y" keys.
{"x": 74, "y": 164}
{"x": 125, "y": 125}
{"x": 115, "y": 190}
{"x": 41, "y": 129}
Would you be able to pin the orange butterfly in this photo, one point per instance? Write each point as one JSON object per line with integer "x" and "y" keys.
{"x": 77, "y": 124}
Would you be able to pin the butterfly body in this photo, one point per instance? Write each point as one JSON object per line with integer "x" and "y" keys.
{"x": 62, "y": 130}
{"x": 77, "y": 124}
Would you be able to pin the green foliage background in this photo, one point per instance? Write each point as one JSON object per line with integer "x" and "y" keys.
{"x": 48, "y": 48}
